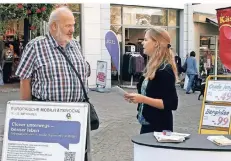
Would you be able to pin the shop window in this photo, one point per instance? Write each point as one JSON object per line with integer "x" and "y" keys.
{"x": 207, "y": 56}
{"x": 172, "y": 17}
{"x": 129, "y": 15}
{"x": 77, "y": 33}
{"x": 144, "y": 16}
{"x": 159, "y": 17}
{"x": 116, "y": 15}
{"x": 173, "y": 32}
{"x": 74, "y": 7}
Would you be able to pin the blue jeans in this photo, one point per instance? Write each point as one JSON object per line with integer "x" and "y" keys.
{"x": 190, "y": 82}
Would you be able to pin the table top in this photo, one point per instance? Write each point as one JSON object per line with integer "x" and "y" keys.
{"x": 194, "y": 142}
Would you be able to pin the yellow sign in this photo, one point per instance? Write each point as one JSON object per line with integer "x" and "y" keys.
{"x": 225, "y": 19}
{"x": 216, "y": 106}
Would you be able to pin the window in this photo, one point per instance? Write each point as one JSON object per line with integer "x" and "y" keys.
{"x": 144, "y": 16}
{"x": 172, "y": 17}
{"x": 116, "y": 15}
{"x": 76, "y": 9}
{"x": 159, "y": 17}
{"x": 173, "y": 32}
{"x": 77, "y": 33}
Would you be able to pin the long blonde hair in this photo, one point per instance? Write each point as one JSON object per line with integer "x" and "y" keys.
{"x": 162, "y": 53}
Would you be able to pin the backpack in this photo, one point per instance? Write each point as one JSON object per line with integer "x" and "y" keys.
{"x": 184, "y": 67}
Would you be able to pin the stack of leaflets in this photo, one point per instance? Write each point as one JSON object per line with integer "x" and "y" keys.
{"x": 172, "y": 137}
{"x": 220, "y": 140}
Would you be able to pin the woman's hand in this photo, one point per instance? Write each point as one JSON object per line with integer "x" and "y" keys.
{"x": 127, "y": 98}
{"x": 134, "y": 98}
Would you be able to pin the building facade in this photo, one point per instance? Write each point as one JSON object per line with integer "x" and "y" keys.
{"x": 129, "y": 22}
{"x": 201, "y": 34}
{"x": 192, "y": 27}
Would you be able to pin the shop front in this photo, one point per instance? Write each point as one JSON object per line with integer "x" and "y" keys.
{"x": 12, "y": 40}
{"x": 207, "y": 44}
{"x": 16, "y": 31}
{"x": 129, "y": 23}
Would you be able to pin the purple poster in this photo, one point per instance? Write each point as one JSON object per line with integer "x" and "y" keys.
{"x": 112, "y": 45}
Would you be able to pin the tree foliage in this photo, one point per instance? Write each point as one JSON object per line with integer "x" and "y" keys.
{"x": 34, "y": 12}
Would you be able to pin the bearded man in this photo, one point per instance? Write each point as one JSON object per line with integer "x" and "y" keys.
{"x": 44, "y": 73}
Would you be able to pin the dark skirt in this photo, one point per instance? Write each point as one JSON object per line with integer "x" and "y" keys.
{"x": 149, "y": 128}
{"x": 7, "y": 71}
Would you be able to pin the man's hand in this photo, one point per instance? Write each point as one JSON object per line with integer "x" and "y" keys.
{"x": 25, "y": 89}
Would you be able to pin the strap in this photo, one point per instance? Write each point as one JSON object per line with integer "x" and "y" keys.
{"x": 78, "y": 75}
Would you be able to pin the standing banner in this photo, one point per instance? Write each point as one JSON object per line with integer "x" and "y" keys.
{"x": 224, "y": 22}
{"x": 101, "y": 74}
{"x": 112, "y": 45}
{"x": 45, "y": 131}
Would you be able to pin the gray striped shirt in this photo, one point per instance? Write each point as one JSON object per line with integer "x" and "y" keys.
{"x": 51, "y": 76}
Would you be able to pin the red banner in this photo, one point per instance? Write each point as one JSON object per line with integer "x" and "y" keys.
{"x": 224, "y": 22}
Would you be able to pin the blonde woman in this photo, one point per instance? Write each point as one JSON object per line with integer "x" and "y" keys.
{"x": 157, "y": 93}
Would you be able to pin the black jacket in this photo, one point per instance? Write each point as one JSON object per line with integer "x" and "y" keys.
{"x": 161, "y": 87}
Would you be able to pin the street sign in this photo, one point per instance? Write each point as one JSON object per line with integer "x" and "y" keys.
{"x": 45, "y": 131}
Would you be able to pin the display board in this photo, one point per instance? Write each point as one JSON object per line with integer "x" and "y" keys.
{"x": 218, "y": 91}
{"x": 216, "y": 106}
{"x": 45, "y": 130}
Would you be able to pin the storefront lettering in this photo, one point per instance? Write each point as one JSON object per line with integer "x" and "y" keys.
{"x": 110, "y": 42}
{"x": 225, "y": 19}
{"x": 217, "y": 112}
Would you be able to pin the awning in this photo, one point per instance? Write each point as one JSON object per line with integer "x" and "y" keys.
{"x": 212, "y": 21}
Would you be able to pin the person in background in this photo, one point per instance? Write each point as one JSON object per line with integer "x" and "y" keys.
{"x": 7, "y": 62}
{"x": 191, "y": 70}
{"x": 178, "y": 64}
{"x": 157, "y": 95}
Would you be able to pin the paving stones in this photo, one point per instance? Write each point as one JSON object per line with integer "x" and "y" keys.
{"x": 112, "y": 141}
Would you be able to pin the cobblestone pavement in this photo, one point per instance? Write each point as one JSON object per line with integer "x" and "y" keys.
{"x": 14, "y": 87}
{"x": 112, "y": 141}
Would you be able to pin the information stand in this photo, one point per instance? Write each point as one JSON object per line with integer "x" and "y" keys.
{"x": 46, "y": 131}
{"x": 216, "y": 106}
